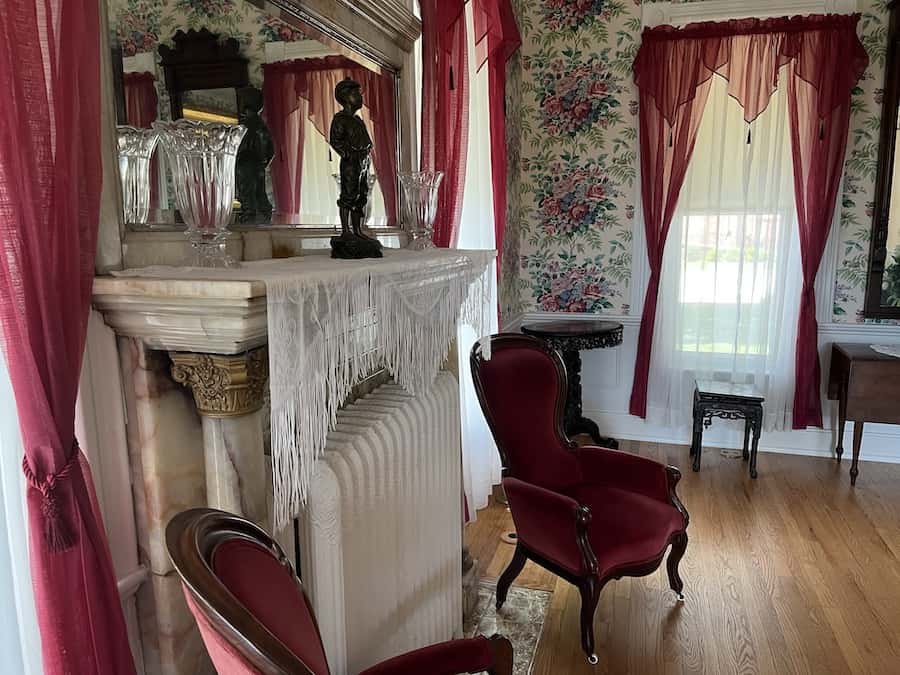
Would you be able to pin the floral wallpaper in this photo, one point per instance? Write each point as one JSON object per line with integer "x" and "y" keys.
{"x": 572, "y": 133}
{"x": 141, "y": 25}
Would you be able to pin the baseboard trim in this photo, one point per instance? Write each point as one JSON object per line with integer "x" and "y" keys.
{"x": 881, "y": 443}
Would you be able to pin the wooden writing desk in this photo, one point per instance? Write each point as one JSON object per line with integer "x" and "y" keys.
{"x": 866, "y": 385}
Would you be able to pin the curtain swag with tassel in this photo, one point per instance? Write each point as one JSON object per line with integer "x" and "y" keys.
{"x": 50, "y": 183}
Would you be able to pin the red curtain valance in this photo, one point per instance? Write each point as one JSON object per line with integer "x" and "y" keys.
{"x": 673, "y": 62}
{"x": 311, "y": 65}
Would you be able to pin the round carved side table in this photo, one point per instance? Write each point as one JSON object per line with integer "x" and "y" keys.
{"x": 569, "y": 337}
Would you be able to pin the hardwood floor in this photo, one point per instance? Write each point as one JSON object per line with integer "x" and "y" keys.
{"x": 795, "y": 572}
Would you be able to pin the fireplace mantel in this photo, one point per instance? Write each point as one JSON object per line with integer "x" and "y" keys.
{"x": 215, "y": 317}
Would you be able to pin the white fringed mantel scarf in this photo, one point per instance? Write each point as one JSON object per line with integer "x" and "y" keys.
{"x": 332, "y": 322}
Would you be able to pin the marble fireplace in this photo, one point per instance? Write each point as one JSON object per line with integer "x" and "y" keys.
{"x": 195, "y": 370}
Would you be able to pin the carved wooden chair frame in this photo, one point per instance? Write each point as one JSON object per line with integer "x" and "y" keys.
{"x": 591, "y": 584}
{"x": 192, "y": 537}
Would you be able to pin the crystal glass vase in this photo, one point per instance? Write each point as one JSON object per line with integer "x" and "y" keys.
{"x": 136, "y": 148}
{"x": 420, "y": 192}
{"x": 202, "y": 157}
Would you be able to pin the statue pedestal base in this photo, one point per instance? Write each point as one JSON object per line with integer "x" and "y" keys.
{"x": 354, "y": 247}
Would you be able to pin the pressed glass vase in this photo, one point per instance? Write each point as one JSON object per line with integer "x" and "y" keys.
{"x": 136, "y": 148}
{"x": 202, "y": 157}
{"x": 420, "y": 192}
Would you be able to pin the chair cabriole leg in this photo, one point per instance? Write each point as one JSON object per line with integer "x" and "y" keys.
{"x": 509, "y": 575}
{"x": 590, "y": 595}
{"x": 679, "y": 546}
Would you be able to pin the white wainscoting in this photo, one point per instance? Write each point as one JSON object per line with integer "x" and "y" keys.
{"x": 607, "y": 376}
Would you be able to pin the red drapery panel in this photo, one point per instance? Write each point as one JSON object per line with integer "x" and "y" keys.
{"x": 50, "y": 181}
{"x": 309, "y": 84}
{"x": 140, "y": 99}
{"x": 445, "y": 108}
{"x": 285, "y": 114}
{"x": 673, "y": 67}
{"x": 496, "y": 39}
{"x": 141, "y": 108}
{"x": 818, "y": 145}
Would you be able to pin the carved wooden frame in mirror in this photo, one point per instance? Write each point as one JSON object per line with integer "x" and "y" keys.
{"x": 890, "y": 108}
{"x": 201, "y": 60}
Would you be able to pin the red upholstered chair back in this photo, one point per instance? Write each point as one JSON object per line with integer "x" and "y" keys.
{"x": 250, "y": 606}
{"x": 522, "y": 390}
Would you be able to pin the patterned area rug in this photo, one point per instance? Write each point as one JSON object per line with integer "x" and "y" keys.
{"x": 521, "y": 620}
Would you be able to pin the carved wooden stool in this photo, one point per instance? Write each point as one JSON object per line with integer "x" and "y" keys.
{"x": 730, "y": 402}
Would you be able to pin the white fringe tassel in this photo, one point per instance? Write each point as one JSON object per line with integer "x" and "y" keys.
{"x": 324, "y": 336}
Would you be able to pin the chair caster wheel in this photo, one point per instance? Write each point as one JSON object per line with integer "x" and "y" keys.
{"x": 593, "y": 659}
{"x": 680, "y": 597}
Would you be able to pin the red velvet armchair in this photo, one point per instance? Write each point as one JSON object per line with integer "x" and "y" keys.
{"x": 587, "y": 514}
{"x": 254, "y": 616}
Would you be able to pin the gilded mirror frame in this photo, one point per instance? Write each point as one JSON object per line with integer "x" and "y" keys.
{"x": 890, "y": 109}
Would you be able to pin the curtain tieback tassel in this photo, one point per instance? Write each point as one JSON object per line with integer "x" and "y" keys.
{"x": 57, "y": 533}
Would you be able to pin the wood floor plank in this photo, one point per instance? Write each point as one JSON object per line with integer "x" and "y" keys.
{"x": 795, "y": 572}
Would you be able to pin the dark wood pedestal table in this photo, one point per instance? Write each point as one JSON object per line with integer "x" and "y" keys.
{"x": 569, "y": 338}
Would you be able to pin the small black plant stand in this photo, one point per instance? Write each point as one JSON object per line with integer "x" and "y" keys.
{"x": 731, "y": 402}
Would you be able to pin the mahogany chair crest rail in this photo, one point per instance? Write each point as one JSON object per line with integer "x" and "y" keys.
{"x": 254, "y": 616}
{"x": 586, "y": 514}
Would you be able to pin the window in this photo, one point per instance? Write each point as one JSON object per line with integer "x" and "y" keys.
{"x": 731, "y": 280}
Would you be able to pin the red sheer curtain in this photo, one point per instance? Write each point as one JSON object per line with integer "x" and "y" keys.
{"x": 818, "y": 144}
{"x": 445, "y": 108}
{"x": 309, "y": 84}
{"x": 496, "y": 39}
{"x": 140, "y": 99}
{"x": 141, "y": 108}
{"x": 824, "y": 60}
{"x": 285, "y": 114}
{"x": 50, "y": 181}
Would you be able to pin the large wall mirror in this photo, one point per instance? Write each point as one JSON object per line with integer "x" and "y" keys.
{"x": 883, "y": 290}
{"x": 231, "y": 61}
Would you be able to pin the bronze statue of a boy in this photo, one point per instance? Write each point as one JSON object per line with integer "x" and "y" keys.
{"x": 351, "y": 141}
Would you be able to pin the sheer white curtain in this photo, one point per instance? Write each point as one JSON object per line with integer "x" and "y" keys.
{"x": 730, "y": 286}
{"x": 20, "y": 646}
{"x": 481, "y": 463}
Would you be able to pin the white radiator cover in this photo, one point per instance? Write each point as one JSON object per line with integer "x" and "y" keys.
{"x": 381, "y": 535}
